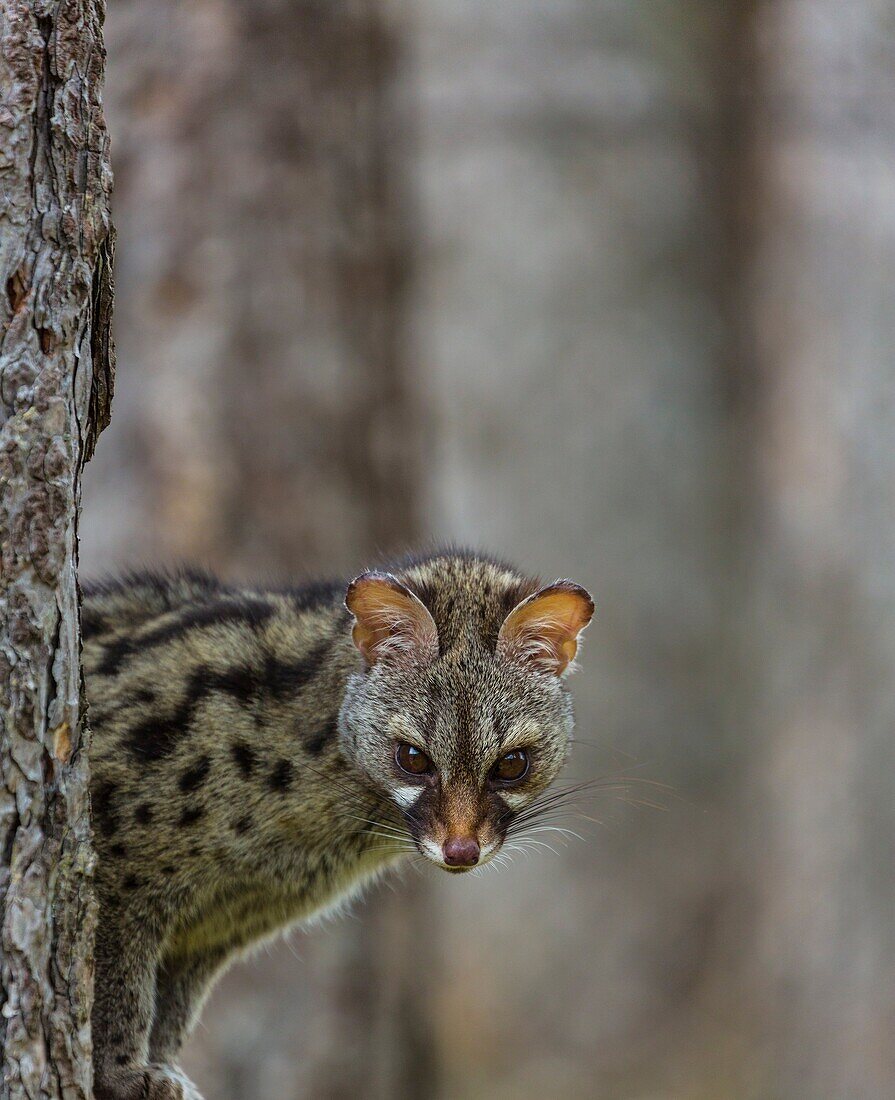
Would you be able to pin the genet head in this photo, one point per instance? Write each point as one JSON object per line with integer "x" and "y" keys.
{"x": 460, "y": 716}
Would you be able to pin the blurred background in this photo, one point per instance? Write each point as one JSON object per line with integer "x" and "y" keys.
{"x": 604, "y": 286}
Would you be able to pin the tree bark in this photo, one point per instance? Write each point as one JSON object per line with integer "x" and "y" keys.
{"x": 56, "y": 373}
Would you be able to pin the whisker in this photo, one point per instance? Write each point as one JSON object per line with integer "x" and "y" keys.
{"x": 502, "y": 859}
{"x": 613, "y": 751}
{"x": 386, "y": 825}
{"x": 387, "y": 836}
{"x": 352, "y": 789}
{"x": 520, "y": 849}
{"x": 561, "y": 798}
{"x": 645, "y": 803}
{"x": 367, "y": 820}
{"x": 387, "y": 829}
{"x": 556, "y": 829}
{"x": 379, "y": 824}
{"x": 537, "y": 844}
{"x": 587, "y": 817}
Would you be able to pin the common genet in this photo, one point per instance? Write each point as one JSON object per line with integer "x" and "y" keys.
{"x": 258, "y": 756}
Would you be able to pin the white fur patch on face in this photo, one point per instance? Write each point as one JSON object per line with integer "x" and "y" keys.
{"x": 514, "y": 799}
{"x": 405, "y": 795}
{"x": 488, "y": 851}
{"x": 433, "y": 851}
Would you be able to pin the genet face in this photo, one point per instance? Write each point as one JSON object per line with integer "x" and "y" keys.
{"x": 460, "y": 740}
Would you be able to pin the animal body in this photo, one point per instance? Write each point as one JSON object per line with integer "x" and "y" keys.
{"x": 258, "y": 755}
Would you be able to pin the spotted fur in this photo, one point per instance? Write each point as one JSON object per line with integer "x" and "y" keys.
{"x": 244, "y": 772}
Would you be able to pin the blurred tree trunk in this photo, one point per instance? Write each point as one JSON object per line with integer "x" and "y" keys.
{"x": 322, "y": 448}
{"x": 818, "y": 543}
{"x": 55, "y": 389}
{"x": 277, "y": 435}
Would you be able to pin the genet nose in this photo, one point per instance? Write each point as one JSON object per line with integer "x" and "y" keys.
{"x": 461, "y": 851}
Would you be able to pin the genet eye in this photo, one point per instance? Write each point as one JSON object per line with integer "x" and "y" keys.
{"x": 411, "y": 759}
{"x": 512, "y": 767}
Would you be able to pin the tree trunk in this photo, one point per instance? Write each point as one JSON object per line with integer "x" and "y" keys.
{"x": 56, "y": 375}
{"x": 818, "y": 543}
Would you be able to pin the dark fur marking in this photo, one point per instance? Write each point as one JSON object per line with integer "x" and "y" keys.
{"x": 100, "y": 715}
{"x": 242, "y": 825}
{"x": 195, "y": 776}
{"x": 280, "y": 778}
{"x": 113, "y": 654}
{"x": 167, "y": 869}
{"x": 118, "y": 850}
{"x": 317, "y": 741}
{"x": 155, "y": 738}
{"x": 248, "y": 610}
{"x": 143, "y": 814}
{"x": 244, "y": 758}
{"x": 130, "y": 882}
{"x": 92, "y": 623}
{"x": 191, "y": 815}
{"x": 244, "y": 610}
{"x": 199, "y": 686}
{"x": 104, "y": 811}
{"x": 286, "y": 679}
{"x": 241, "y": 683}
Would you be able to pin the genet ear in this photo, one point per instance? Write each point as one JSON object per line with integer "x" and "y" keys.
{"x": 390, "y": 622}
{"x": 542, "y": 631}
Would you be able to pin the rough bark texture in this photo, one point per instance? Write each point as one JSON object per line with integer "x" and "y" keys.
{"x": 55, "y": 387}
